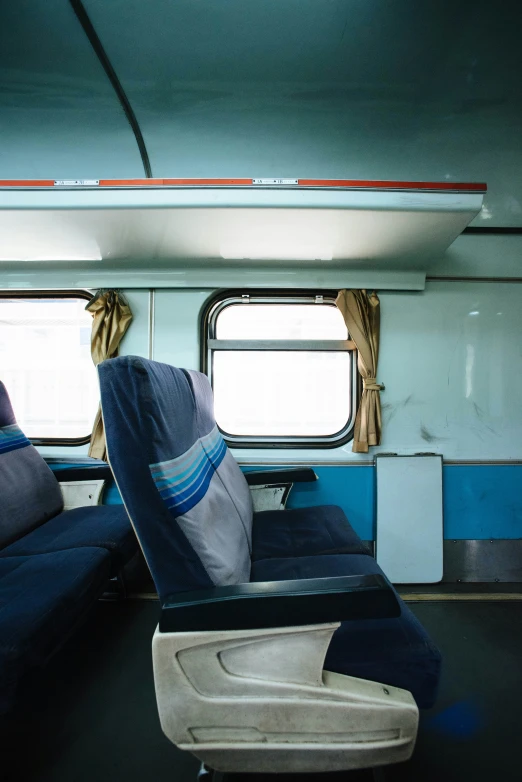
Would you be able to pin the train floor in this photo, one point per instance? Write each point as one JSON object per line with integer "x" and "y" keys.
{"x": 91, "y": 715}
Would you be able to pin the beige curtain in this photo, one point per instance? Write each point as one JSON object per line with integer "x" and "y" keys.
{"x": 361, "y": 312}
{"x": 111, "y": 319}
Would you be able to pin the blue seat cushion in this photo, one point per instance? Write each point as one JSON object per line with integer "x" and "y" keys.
{"x": 101, "y": 526}
{"x": 391, "y": 651}
{"x": 303, "y": 532}
{"x": 42, "y": 599}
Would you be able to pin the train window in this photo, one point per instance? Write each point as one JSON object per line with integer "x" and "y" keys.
{"x": 46, "y": 365}
{"x": 282, "y": 370}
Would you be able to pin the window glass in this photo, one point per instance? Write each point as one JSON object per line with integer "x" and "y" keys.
{"x": 281, "y": 394}
{"x": 280, "y": 321}
{"x": 46, "y": 365}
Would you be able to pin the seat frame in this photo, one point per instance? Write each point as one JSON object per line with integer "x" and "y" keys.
{"x": 238, "y": 668}
{"x": 244, "y": 700}
{"x": 242, "y": 695}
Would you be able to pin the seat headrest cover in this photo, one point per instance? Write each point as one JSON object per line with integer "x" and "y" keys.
{"x": 176, "y": 476}
{"x": 30, "y": 493}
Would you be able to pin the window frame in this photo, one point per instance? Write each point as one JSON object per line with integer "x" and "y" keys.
{"x": 226, "y": 298}
{"x": 69, "y": 293}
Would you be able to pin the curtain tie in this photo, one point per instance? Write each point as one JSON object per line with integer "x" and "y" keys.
{"x": 371, "y": 384}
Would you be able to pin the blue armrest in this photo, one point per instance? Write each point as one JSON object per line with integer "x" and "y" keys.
{"x": 292, "y": 475}
{"x": 97, "y": 472}
{"x": 264, "y": 604}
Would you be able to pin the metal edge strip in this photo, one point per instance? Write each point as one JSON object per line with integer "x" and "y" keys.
{"x": 336, "y": 345}
{"x": 152, "y": 303}
{"x": 506, "y": 280}
{"x": 252, "y": 461}
{"x": 460, "y": 597}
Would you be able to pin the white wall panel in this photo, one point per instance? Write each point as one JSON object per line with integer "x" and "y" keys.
{"x": 176, "y": 326}
{"x": 480, "y": 255}
{"x": 450, "y": 359}
{"x": 451, "y": 362}
{"x": 136, "y": 340}
{"x": 409, "y": 518}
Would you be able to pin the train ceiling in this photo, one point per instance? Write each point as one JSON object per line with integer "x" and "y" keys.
{"x": 359, "y": 89}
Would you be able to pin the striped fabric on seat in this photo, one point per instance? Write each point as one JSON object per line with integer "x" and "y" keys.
{"x": 29, "y": 492}
{"x": 183, "y": 482}
{"x": 184, "y": 492}
{"x": 12, "y": 438}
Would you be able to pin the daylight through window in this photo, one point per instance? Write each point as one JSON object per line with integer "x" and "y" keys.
{"x": 281, "y": 370}
{"x": 46, "y": 365}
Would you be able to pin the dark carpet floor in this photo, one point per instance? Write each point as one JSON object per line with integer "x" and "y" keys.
{"x": 91, "y": 715}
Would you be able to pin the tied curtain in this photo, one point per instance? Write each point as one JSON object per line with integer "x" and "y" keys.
{"x": 111, "y": 318}
{"x": 361, "y": 312}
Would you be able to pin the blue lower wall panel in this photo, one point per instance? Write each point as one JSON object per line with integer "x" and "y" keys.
{"x": 111, "y": 495}
{"x": 352, "y": 488}
{"x": 481, "y": 502}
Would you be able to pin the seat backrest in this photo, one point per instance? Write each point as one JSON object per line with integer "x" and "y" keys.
{"x": 185, "y": 494}
{"x": 29, "y": 492}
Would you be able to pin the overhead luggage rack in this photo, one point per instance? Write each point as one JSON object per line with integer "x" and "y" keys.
{"x": 374, "y": 226}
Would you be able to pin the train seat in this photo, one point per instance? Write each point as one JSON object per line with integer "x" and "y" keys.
{"x": 301, "y": 532}
{"x": 43, "y": 598}
{"x": 395, "y": 651}
{"x": 103, "y": 526}
{"x": 239, "y": 652}
{"x": 32, "y": 519}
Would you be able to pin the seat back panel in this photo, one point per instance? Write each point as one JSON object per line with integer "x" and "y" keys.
{"x": 29, "y": 492}
{"x": 175, "y": 473}
{"x": 227, "y": 469}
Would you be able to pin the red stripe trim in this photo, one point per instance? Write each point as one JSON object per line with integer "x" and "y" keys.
{"x": 173, "y": 182}
{"x": 215, "y": 182}
{"x": 26, "y": 182}
{"x": 362, "y": 184}
{"x": 384, "y": 184}
{"x": 131, "y": 183}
